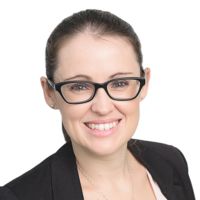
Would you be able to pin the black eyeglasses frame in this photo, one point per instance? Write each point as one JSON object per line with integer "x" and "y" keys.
{"x": 57, "y": 87}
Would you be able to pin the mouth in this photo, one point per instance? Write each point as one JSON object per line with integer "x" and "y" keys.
{"x": 102, "y": 128}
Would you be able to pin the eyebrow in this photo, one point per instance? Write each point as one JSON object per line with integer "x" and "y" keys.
{"x": 121, "y": 74}
{"x": 83, "y": 76}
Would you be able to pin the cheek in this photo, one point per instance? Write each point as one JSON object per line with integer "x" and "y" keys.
{"x": 69, "y": 112}
{"x": 70, "y": 120}
{"x": 130, "y": 109}
{"x": 72, "y": 115}
{"x": 131, "y": 112}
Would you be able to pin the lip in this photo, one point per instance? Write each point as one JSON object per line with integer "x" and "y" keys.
{"x": 102, "y": 133}
{"x": 102, "y": 121}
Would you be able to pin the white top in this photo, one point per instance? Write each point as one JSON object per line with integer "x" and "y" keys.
{"x": 156, "y": 189}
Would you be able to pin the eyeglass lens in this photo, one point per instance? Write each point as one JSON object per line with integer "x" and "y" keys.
{"x": 119, "y": 89}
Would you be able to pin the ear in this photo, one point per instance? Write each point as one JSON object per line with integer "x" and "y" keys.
{"x": 144, "y": 91}
{"x": 49, "y": 94}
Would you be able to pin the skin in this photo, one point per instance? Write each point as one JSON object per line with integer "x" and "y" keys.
{"x": 106, "y": 159}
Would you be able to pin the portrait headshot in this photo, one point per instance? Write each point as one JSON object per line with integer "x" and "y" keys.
{"x": 99, "y": 101}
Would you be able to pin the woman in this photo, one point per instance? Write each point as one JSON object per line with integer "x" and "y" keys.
{"x": 96, "y": 80}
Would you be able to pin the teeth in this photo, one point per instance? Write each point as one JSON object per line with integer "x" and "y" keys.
{"x": 102, "y": 127}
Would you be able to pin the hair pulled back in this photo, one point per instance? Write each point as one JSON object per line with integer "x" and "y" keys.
{"x": 96, "y": 21}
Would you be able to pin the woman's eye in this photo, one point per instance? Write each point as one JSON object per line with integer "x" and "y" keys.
{"x": 119, "y": 84}
{"x": 79, "y": 87}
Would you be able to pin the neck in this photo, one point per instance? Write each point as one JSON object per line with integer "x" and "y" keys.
{"x": 104, "y": 168}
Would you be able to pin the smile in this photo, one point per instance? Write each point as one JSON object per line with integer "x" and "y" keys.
{"x": 102, "y": 126}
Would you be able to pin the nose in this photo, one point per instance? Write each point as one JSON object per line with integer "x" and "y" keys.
{"x": 102, "y": 104}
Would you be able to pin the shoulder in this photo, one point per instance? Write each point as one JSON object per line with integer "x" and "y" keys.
{"x": 167, "y": 165}
{"x": 155, "y": 151}
{"x": 6, "y": 194}
{"x": 32, "y": 183}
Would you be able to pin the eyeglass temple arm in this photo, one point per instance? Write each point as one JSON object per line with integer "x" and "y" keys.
{"x": 51, "y": 84}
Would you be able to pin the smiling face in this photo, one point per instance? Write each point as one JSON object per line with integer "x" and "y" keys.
{"x": 101, "y": 126}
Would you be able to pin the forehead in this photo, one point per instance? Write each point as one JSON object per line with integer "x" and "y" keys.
{"x": 88, "y": 54}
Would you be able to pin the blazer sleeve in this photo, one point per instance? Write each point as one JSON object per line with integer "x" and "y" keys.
{"x": 184, "y": 173}
{"x": 6, "y": 194}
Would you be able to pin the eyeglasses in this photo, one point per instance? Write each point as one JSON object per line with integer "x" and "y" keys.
{"x": 80, "y": 91}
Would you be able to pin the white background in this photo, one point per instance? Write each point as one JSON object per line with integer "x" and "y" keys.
{"x": 170, "y": 35}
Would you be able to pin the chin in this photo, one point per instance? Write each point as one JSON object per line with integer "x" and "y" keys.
{"x": 101, "y": 141}
{"x": 106, "y": 146}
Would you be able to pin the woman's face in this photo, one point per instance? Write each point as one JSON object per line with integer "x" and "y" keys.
{"x": 98, "y": 59}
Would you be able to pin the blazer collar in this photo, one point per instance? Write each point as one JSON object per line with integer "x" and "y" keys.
{"x": 65, "y": 179}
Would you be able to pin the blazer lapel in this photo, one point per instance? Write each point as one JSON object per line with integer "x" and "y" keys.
{"x": 65, "y": 179}
{"x": 159, "y": 169}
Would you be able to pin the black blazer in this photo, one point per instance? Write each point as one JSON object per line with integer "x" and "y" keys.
{"x": 56, "y": 178}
